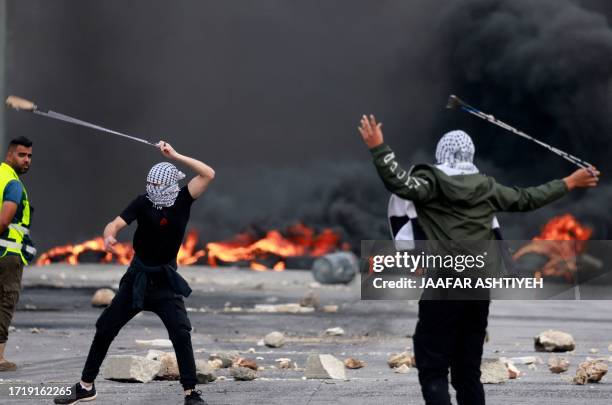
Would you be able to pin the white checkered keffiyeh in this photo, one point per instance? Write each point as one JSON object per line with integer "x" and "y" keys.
{"x": 162, "y": 184}
{"x": 456, "y": 151}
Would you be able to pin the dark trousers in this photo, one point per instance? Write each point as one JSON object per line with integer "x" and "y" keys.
{"x": 162, "y": 301}
{"x": 11, "y": 270}
{"x": 450, "y": 334}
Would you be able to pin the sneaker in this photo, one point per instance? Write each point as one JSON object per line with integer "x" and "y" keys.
{"x": 194, "y": 398}
{"x": 78, "y": 394}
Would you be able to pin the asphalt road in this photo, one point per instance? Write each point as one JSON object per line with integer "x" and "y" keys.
{"x": 374, "y": 330}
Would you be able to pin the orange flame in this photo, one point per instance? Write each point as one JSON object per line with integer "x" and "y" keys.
{"x": 564, "y": 227}
{"x": 300, "y": 240}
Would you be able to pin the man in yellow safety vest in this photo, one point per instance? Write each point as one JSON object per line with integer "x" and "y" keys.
{"x": 16, "y": 248}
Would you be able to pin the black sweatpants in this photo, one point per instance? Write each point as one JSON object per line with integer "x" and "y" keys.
{"x": 159, "y": 299}
{"x": 450, "y": 334}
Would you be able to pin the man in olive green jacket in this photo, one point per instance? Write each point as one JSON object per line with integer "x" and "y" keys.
{"x": 459, "y": 207}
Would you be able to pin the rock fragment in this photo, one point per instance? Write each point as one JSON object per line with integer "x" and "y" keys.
{"x": 291, "y": 308}
{"x": 285, "y": 363}
{"x": 324, "y": 366}
{"x": 332, "y": 309}
{"x": 554, "y": 341}
{"x": 337, "y": 331}
{"x": 131, "y": 368}
{"x": 274, "y": 339}
{"x": 158, "y": 343}
{"x": 226, "y": 358}
{"x": 204, "y": 372}
{"x": 352, "y": 363}
{"x": 590, "y": 372}
{"x": 248, "y": 363}
{"x": 400, "y": 359}
{"x": 169, "y": 366}
{"x": 403, "y": 369}
{"x": 310, "y": 300}
{"x": 493, "y": 371}
{"x": 102, "y": 297}
{"x": 558, "y": 365}
{"x": 243, "y": 373}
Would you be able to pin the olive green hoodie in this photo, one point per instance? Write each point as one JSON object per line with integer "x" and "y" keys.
{"x": 458, "y": 207}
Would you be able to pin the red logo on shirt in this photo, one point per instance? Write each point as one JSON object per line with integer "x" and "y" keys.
{"x": 164, "y": 221}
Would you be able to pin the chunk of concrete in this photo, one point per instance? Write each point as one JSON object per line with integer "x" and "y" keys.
{"x": 131, "y": 368}
{"x": 243, "y": 373}
{"x": 554, "y": 341}
{"x": 558, "y": 365}
{"x": 102, "y": 297}
{"x": 274, "y": 339}
{"x": 324, "y": 366}
{"x": 204, "y": 372}
{"x": 493, "y": 371}
{"x": 590, "y": 372}
{"x": 400, "y": 359}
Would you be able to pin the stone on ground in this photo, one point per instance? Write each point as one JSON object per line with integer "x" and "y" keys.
{"x": 554, "y": 341}
{"x": 102, "y": 297}
{"x": 324, "y": 366}
{"x": 590, "y": 372}
{"x": 493, "y": 371}
{"x": 243, "y": 373}
{"x": 399, "y": 359}
{"x": 558, "y": 365}
{"x": 274, "y": 339}
{"x": 131, "y": 368}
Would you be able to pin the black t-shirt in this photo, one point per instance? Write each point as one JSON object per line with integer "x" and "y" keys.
{"x": 160, "y": 232}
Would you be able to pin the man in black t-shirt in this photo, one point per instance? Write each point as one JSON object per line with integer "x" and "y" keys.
{"x": 151, "y": 282}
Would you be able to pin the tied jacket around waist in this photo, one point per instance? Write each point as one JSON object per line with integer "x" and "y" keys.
{"x": 140, "y": 277}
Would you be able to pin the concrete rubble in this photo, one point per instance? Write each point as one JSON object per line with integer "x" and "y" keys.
{"x": 243, "y": 373}
{"x": 513, "y": 371}
{"x": 285, "y": 363}
{"x": 291, "y": 308}
{"x": 590, "y": 372}
{"x": 558, "y": 365}
{"x": 274, "y": 339}
{"x": 403, "y": 369}
{"x": 311, "y": 299}
{"x": 169, "y": 366}
{"x": 324, "y": 366}
{"x": 131, "y": 368}
{"x": 337, "y": 331}
{"x": 332, "y": 309}
{"x": 204, "y": 373}
{"x": 493, "y": 371}
{"x": 554, "y": 341}
{"x": 248, "y": 363}
{"x": 400, "y": 359}
{"x": 102, "y": 297}
{"x": 223, "y": 359}
{"x": 155, "y": 343}
{"x": 352, "y": 363}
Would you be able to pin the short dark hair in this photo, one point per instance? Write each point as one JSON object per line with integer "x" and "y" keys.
{"x": 21, "y": 140}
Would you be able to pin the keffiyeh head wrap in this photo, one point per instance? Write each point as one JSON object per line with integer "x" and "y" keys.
{"x": 162, "y": 184}
{"x": 455, "y": 150}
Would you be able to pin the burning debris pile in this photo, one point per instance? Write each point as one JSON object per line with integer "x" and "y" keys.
{"x": 556, "y": 251}
{"x": 298, "y": 244}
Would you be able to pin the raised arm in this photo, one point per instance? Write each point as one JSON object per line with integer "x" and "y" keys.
{"x": 531, "y": 198}
{"x": 205, "y": 174}
{"x": 395, "y": 178}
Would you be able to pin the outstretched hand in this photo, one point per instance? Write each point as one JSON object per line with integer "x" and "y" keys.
{"x": 583, "y": 178}
{"x": 371, "y": 131}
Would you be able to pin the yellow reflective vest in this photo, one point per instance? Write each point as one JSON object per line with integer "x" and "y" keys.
{"x": 16, "y": 238}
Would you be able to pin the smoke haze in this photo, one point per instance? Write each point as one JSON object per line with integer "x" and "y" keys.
{"x": 269, "y": 93}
